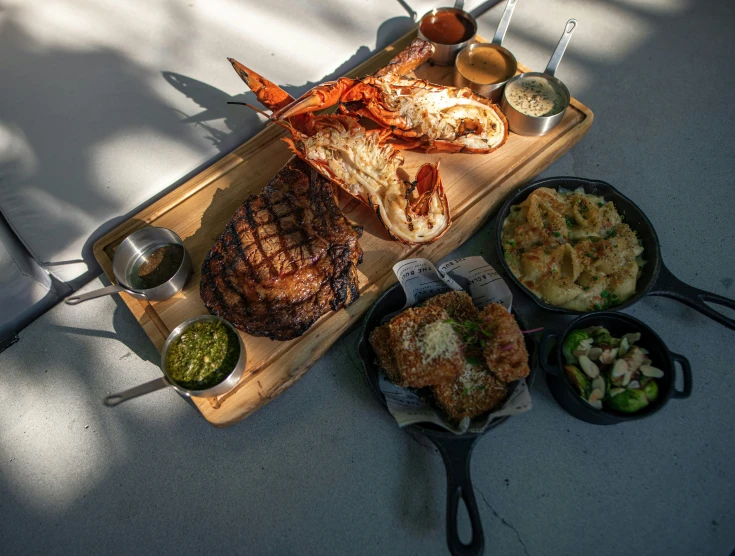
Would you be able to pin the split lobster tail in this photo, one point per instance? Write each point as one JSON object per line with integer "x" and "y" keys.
{"x": 359, "y": 161}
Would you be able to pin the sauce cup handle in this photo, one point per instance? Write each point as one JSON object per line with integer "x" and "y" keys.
{"x": 109, "y": 290}
{"x": 116, "y": 399}
{"x": 504, "y": 22}
{"x": 561, "y": 47}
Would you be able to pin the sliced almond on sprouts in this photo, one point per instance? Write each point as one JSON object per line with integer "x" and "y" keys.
{"x": 589, "y": 368}
{"x": 620, "y": 368}
{"x": 652, "y": 372}
{"x": 645, "y": 351}
{"x": 626, "y": 378}
{"x": 594, "y": 353}
{"x": 598, "y": 383}
{"x": 579, "y": 352}
{"x": 624, "y": 346}
{"x": 632, "y": 338}
{"x": 615, "y": 391}
{"x": 608, "y": 356}
{"x": 634, "y": 384}
{"x": 595, "y": 399}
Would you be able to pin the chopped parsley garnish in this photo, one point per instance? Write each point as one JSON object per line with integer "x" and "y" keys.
{"x": 604, "y": 294}
{"x": 557, "y": 234}
{"x": 570, "y": 222}
{"x": 470, "y": 332}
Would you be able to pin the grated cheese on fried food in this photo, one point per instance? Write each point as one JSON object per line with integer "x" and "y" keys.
{"x": 437, "y": 340}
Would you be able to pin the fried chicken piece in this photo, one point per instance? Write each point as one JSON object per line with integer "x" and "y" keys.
{"x": 425, "y": 347}
{"x": 379, "y": 339}
{"x": 476, "y": 391}
{"x": 505, "y": 350}
{"x": 457, "y": 304}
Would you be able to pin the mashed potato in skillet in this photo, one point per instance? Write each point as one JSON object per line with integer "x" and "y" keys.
{"x": 572, "y": 249}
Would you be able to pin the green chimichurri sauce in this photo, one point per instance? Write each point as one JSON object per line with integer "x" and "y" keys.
{"x": 203, "y": 356}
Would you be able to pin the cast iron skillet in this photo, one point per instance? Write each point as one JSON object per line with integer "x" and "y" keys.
{"x": 552, "y": 362}
{"x": 656, "y": 278}
{"x": 456, "y": 450}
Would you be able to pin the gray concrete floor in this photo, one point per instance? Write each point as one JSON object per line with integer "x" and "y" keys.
{"x": 323, "y": 469}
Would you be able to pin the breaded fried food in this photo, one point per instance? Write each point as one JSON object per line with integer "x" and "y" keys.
{"x": 379, "y": 339}
{"x": 476, "y": 391}
{"x": 505, "y": 350}
{"x": 425, "y": 347}
{"x": 457, "y": 304}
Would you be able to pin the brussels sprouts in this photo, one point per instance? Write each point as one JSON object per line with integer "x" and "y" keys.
{"x": 570, "y": 344}
{"x": 602, "y": 337}
{"x": 650, "y": 389}
{"x": 578, "y": 380}
{"x": 629, "y": 401}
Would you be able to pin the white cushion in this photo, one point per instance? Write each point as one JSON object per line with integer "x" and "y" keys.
{"x": 25, "y": 289}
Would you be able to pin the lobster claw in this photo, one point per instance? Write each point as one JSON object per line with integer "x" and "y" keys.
{"x": 322, "y": 96}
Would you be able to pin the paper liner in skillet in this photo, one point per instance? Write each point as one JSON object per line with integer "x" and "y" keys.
{"x": 420, "y": 280}
{"x": 655, "y": 278}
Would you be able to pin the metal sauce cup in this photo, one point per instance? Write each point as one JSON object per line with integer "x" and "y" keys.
{"x": 493, "y": 91}
{"x": 124, "y": 262}
{"x": 166, "y": 381}
{"x": 524, "y": 124}
{"x": 444, "y": 54}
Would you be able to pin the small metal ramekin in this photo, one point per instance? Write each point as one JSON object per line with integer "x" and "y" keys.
{"x": 524, "y": 124}
{"x": 444, "y": 54}
{"x": 166, "y": 381}
{"x": 123, "y": 265}
{"x": 493, "y": 91}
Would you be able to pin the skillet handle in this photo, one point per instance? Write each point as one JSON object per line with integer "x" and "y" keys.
{"x": 548, "y": 342}
{"x": 686, "y": 370}
{"x": 456, "y": 453}
{"x": 669, "y": 285}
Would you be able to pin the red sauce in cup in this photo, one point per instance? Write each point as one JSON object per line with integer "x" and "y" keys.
{"x": 447, "y": 28}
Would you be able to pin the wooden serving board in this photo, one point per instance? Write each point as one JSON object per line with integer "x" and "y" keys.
{"x": 199, "y": 210}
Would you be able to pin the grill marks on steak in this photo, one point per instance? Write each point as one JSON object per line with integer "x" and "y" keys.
{"x": 287, "y": 256}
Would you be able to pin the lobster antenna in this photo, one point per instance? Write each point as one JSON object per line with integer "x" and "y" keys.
{"x": 271, "y": 119}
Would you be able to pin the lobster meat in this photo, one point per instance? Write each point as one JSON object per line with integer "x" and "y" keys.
{"x": 362, "y": 163}
{"x": 419, "y": 114}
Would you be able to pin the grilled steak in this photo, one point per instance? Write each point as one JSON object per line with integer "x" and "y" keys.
{"x": 287, "y": 256}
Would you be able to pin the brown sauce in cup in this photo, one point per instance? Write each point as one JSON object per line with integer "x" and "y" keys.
{"x": 156, "y": 266}
{"x": 447, "y": 28}
{"x": 485, "y": 65}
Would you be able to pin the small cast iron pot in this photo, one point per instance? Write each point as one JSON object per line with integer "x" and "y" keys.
{"x": 655, "y": 279}
{"x": 552, "y": 362}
